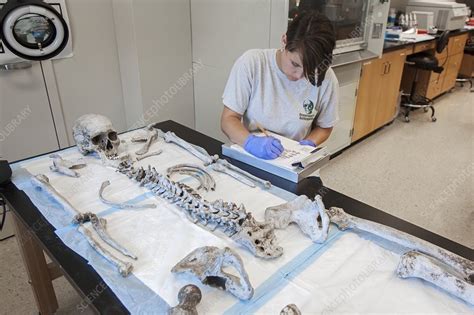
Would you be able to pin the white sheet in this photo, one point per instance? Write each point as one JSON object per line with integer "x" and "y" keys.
{"x": 338, "y": 281}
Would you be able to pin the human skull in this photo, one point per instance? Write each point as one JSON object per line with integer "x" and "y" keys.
{"x": 95, "y": 133}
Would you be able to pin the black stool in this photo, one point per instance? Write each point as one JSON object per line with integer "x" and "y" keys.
{"x": 423, "y": 61}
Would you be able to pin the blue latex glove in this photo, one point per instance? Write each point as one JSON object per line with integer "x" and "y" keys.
{"x": 267, "y": 148}
{"x": 308, "y": 142}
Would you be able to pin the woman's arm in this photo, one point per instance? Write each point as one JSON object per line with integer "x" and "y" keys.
{"x": 318, "y": 135}
{"x": 232, "y": 126}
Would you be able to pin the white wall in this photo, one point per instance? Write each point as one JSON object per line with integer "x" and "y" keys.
{"x": 221, "y": 32}
{"x": 154, "y": 48}
{"x": 90, "y": 82}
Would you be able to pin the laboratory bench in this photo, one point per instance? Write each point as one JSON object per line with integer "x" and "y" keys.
{"x": 383, "y": 78}
{"x": 36, "y": 235}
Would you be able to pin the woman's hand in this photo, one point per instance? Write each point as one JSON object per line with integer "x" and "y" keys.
{"x": 267, "y": 148}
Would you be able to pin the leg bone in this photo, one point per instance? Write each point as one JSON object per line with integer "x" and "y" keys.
{"x": 263, "y": 183}
{"x": 416, "y": 265}
{"x": 346, "y": 221}
{"x": 124, "y": 268}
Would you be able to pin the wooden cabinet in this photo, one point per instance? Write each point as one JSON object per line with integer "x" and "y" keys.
{"x": 378, "y": 92}
{"x": 431, "y": 84}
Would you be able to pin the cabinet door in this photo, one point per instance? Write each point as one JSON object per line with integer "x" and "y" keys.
{"x": 388, "y": 101}
{"x": 26, "y": 124}
{"x": 368, "y": 97}
{"x": 452, "y": 70}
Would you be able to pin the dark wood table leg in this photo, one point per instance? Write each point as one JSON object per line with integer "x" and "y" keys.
{"x": 40, "y": 274}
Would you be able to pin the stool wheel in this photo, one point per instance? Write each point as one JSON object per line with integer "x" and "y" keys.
{"x": 425, "y": 109}
{"x": 407, "y": 119}
{"x": 434, "y": 119}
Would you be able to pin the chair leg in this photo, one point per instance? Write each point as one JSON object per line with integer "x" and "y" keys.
{"x": 407, "y": 115}
{"x": 433, "y": 118}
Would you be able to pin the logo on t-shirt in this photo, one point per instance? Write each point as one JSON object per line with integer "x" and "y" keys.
{"x": 308, "y": 107}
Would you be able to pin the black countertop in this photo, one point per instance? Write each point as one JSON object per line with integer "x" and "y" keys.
{"x": 395, "y": 45}
{"x": 84, "y": 278}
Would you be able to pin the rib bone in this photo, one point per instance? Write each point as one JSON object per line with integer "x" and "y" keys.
{"x": 416, "y": 265}
{"x": 346, "y": 221}
{"x": 99, "y": 225}
{"x": 124, "y": 205}
{"x": 204, "y": 178}
{"x": 263, "y": 183}
{"x": 305, "y": 213}
{"x": 124, "y": 268}
{"x": 200, "y": 153}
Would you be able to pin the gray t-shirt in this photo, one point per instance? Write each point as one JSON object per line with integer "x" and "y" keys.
{"x": 261, "y": 92}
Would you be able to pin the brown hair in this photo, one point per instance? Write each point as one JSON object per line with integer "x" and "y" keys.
{"x": 312, "y": 35}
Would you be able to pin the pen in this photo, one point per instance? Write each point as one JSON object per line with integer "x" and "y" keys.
{"x": 262, "y": 130}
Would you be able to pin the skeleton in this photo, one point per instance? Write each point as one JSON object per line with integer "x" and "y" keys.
{"x": 242, "y": 176}
{"x": 290, "y": 309}
{"x": 145, "y": 156}
{"x": 208, "y": 263}
{"x": 152, "y": 136}
{"x": 99, "y": 225}
{"x": 124, "y": 205}
{"x": 232, "y": 220}
{"x": 200, "y": 153}
{"x": 188, "y": 297}
{"x": 42, "y": 182}
{"x": 65, "y": 167}
{"x": 95, "y": 133}
{"x": 205, "y": 179}
{"x": 455, "y": 273}
{"x": 417, "y": 265}
{"x": 305, "y": 213}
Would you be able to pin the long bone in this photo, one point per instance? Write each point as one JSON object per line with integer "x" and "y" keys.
{"x": 231, "y": 219}
{"x": 65, "y": 167}
{"x": 42, "y": 181}
{"x": 123, "y": 267}
{"x": 222, "y": 169}
{"x": 123, "y": 205}
{"x": 205, "y": 179}
{"x": 417, "y": 265}
{"x": 188, "y": 297}
{"x": 99, "y": 225}
{"x": 145, "y": 156}
{"x": 152, "y": 136}
{"x": 346, "y": 221}
{"x": 200, "y": 153}
{"x": 305, "y": 213}
{"x": 263, "y": 183}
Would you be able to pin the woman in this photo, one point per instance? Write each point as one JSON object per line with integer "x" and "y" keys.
{"x": 290, "y": 91}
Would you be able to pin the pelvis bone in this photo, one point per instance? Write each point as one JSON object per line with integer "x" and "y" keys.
{"x": 305, "y": 213}
{"x": 208, "y": 263}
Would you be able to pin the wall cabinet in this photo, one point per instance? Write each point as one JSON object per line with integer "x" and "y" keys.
{"x": 379, "y": 88}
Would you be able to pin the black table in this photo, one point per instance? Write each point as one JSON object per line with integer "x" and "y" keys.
{"x": 35, "y": 234}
